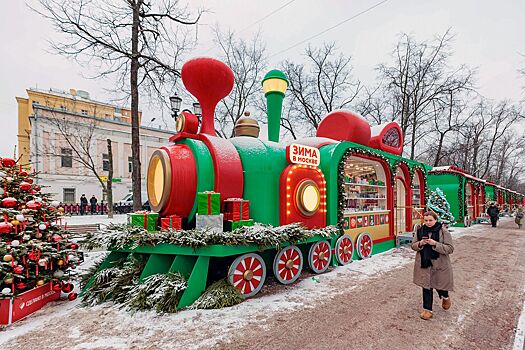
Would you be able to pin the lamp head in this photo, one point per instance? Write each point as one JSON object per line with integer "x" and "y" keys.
{"x": 175, "y": 102}
{"x": 275, "y": 81}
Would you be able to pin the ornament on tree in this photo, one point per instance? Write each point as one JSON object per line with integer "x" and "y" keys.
{"x": 8, "y": 162}
{"x": 67, "y": 287}
{"x": 54, "y": 204}
{"x": 9, "y": 179}
{"x": 8, "y": 257}
{"x": 9, "y": 202}
{"x": 42, "y": 262}
{"x": 20, "y": 285}
{"x": 15, "y": 243}
{"x": 18, "y": 269}
{"x": 57, "y": 287}
{"x": 42, "y": 227}
{"x": 437, "y": 202}
{"x": 56, "y": 238}
{"x": 6, "y": 227}
{"x": 72, "y": 296}
{"x": 22, "y": 173}
{"x": 20, "y": 217}
{"x": 58, "y": 274}
{"x": 6, "y": 291}
{"x": 25, "y": 186}
{"x": 40, "y": 283}
{"x": 33, "y": 205}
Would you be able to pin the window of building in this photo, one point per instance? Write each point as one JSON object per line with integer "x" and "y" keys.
{"x": 118, "y": 110}
{"x": 117, "y": 119}
{"x": 66, "y": 157}
{"x": 36, "y": 103}
{"x": 105, "y": 162}
{"x": 130, "y": 164}
{"x": 84, "y": 112}
{"x": 69, "y": 195}
{"x": 63, "y": 108}
{"x": 107, "y": 115}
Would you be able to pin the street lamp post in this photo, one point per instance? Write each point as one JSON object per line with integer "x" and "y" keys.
{"x": 175, "y": 102}
{"x": 274, "y": 85}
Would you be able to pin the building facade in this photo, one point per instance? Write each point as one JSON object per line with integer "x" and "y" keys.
{"x": 56, "y": 127}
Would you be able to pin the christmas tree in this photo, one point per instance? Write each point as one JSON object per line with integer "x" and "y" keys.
{"x": 437, "y": 202}
{"x": 34, "y": 249}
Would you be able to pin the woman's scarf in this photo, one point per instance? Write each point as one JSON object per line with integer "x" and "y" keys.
{"x": 427, "y": 253}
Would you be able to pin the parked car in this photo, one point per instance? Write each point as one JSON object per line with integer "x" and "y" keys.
{"x": 125, "y": 205}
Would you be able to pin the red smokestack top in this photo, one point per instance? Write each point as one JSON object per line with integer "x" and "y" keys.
{"x": 209, "y": 80}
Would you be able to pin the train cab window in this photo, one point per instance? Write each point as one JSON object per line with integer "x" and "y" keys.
{"x": 365, "y": 185}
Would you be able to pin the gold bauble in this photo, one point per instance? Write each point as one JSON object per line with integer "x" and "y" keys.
{"x": 60, "y": 209}
{"x": 8, "y": 280}
{"x": 8, "y": 257}
{"x": 60, "y": 262}
{"x": 40, "y": 282}
{"x": 15, "y": 222}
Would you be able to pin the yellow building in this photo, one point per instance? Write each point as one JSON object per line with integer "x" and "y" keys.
{"x": 74, "y": 101}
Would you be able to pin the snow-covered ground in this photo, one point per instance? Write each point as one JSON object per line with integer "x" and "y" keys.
{"x": 106, "y": 326}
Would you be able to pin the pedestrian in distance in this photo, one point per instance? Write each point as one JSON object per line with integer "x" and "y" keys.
{"x": 519, "y": 216}
{"x": 432, "y": 267}
{"x": 493, "y": 213}
{"x": 93, "y": 202}
{"x": 83, "y": 204}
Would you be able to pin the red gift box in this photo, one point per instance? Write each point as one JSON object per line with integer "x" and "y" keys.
{"x": 236, "y": 209}
{"x": 172, "y": 221}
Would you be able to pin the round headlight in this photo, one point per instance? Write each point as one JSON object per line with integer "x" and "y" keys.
{"x": 159, "y": 180}
{"x": 308, "y": 198}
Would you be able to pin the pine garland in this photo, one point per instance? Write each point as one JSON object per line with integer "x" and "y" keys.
{"x": 161, "y": 292}
{"x": 116, "y": 237}
{"x": 218, "y": 295}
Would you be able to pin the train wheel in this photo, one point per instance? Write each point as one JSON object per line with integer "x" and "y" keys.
{"x": 364, "y": 245}
{"x": 247, "y": 273}
{"x": 288, "y": 264}
{"x": 319, "y": 256}
{"x": 344, "y": 249}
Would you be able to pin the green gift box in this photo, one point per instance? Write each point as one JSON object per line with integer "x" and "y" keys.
{"x": 208, "y": 203}
{"x": 148, "y": 220}
{"x": 230, "y": 225}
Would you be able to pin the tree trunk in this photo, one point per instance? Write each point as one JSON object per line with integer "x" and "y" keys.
{"x": 135, "y": 127}
{"x": 109, "y": 189}
{"x": 440, "y": 147}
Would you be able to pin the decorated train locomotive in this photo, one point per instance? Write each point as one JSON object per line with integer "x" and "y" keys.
{"x": 350, "y": 175}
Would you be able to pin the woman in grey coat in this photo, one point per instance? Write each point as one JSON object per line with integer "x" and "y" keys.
{"x": 432, "y": 268}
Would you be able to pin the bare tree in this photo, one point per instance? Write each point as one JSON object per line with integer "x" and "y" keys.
{"x": 137, "y": 41}
{"x": 418, "y": 76}
{"x": 248, "y": 61}
{"x": 323, "y": 84}
{"x": 79, "y": 134}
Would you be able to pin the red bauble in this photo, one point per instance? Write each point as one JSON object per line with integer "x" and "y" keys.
{"x": 33, "y": 205}
{"x": 56, "y": 238}
{"x": 6, "y": 227}
{"x": 30, "y": 181}
{"x": 25, "y": 186}
{"x": 20, "y": 285}
{"x": 22, "y": 173}
{"x": 73, "y": 246}
{"x": 37, "y": 188}
{"x": 57, "y": 287}
{"x": 67, "y": 287}
{"x": 8, "y": 162}
{"x": 32, "y": 255}
{"x": 72, "y": 296}
{"x": 18, "y": 269}
{"x": 9, "y": 202}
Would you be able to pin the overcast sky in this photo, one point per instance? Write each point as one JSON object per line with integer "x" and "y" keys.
{"x": 489, "y": 36}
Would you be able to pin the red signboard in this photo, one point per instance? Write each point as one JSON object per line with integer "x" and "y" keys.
{"x": 26, "y": 303}
{"x": 300, "y": 154}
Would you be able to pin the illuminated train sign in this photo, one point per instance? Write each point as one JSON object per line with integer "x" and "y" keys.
{"x": 305, "y": 155}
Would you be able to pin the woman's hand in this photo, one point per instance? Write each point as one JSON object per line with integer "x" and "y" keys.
{"x": 422, "y": 242}
{"x": 431, "y": 242}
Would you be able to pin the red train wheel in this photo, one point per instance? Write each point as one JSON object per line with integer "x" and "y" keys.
{"x": 364, "y": 245}
{"x": 247, "y": 273}
{"x": 319, "y": 256}
{"x": 344, "y": 249}
{"x": 288, "y": 264}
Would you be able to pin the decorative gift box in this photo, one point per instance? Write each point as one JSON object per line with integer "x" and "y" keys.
{"x": 233, "y": 225}
{"x": 145, "y": 219}
{"x": 208, "y": 203}
{"x": 172, "y": 221}
{"x": 213, "y": 222}
{"x": 236, "y": 209}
